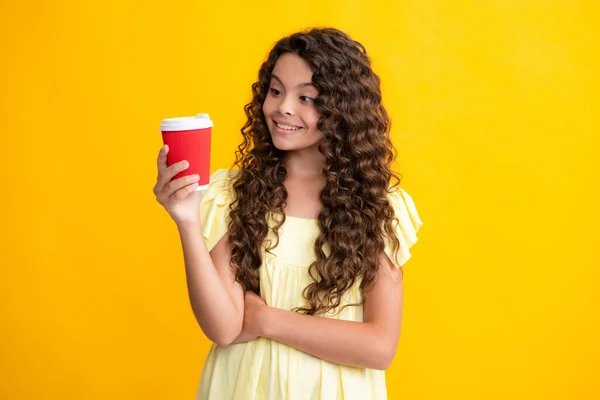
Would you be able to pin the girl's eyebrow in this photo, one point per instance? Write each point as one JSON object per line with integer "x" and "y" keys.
{"x": 299, "y": 86}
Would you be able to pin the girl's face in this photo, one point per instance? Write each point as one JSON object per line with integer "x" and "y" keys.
{"x": 289, "y": 108}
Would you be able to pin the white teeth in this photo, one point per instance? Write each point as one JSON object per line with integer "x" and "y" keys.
{"x": 287, "y": 127}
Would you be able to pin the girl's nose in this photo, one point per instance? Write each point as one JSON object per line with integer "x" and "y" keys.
{"x": 285, "y": 106}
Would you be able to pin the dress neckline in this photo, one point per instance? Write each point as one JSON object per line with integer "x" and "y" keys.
{"x": 300, "y": 218}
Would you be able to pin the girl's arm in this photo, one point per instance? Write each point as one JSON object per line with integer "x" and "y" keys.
{"x": 216, "y": 298}
{"x": 368, "y": 344}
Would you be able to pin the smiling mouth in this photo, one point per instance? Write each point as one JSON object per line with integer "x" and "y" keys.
{"x": 289, "y": 128}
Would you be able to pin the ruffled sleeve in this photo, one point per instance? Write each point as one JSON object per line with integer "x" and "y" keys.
{"x": 214, "y": 209}
{"x": 406, "y": 229}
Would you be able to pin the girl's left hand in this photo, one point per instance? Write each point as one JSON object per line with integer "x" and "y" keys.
{"x": 255, "y": 309}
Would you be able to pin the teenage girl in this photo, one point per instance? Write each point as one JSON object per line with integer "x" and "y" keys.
{"x": 293, "y": 258}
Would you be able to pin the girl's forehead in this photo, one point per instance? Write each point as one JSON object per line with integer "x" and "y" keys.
{"x": 299, "y": 76}
{"x": 292, "y": 63}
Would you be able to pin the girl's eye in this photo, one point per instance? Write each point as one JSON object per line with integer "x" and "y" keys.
{"x": 306, "y": 99}
{"x": 274, "y": 92}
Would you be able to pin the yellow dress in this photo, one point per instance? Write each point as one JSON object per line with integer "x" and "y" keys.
{"x": 264, "y": 369}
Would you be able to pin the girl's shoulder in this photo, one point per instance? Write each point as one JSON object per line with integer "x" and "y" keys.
{"x": 407, "y": 225}
{"x": 220, "y": 184}
{"x": 402, "y": 202}
{"x": 223, "y": 174}
{"x": 214, "y": 209}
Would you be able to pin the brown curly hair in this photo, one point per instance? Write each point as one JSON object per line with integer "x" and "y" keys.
{"x": 356, "y": 213}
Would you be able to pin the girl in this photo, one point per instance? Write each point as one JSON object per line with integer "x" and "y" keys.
{"x": 293, "y": 262}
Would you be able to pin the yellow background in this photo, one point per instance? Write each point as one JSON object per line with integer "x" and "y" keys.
{"x": 495, "y": 115}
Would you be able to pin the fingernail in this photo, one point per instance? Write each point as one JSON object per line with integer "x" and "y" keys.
{"x": 185, "y": 164}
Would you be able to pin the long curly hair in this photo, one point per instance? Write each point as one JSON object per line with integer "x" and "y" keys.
{"x": 356, "y": 213}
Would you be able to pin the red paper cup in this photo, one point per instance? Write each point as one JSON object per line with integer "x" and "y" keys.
{"x": 188, "y": 139}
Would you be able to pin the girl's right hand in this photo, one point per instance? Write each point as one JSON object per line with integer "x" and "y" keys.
{"x": 177, "y": 196}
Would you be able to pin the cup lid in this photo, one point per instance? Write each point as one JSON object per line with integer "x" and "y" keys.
{"x": 201, "y": 121}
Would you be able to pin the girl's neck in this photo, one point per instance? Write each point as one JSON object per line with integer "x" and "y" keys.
{"x": 304, "y": 164}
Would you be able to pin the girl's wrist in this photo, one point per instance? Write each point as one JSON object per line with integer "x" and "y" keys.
{"x": 189, "y": 226}
{"x": 267, "y": 321}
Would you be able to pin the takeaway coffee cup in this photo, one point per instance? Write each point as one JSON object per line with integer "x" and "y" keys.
{"x": 188, "y": 139}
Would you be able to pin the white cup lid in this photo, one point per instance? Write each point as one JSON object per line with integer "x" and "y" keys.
{"x": 201, "y": 121}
